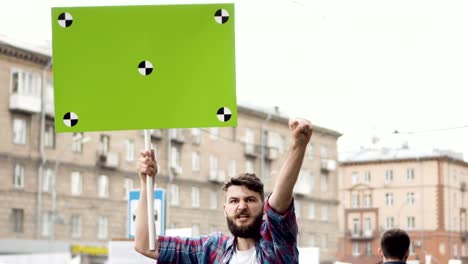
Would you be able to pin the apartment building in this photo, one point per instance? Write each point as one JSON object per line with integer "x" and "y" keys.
{"x": 68, "y": 191}
{"x": 422, "y": 192}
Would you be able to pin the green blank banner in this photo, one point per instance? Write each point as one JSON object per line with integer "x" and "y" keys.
{"x": 144, "y": 67}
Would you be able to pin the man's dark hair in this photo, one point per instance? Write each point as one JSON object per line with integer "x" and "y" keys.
{"x": 249, "y": 180}
{"x": 395, "y": 244}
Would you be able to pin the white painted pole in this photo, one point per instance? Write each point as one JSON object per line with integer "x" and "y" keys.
{"x": 150, "y": 198}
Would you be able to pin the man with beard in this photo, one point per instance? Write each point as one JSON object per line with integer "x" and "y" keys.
{"x": 253, "y": 240}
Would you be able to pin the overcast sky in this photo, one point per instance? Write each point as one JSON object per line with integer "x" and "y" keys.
{"x": 359, "y": 67}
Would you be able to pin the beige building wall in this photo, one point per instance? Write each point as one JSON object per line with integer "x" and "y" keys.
{"x": 315, "y": 195}
{"x": 430, "y": 204}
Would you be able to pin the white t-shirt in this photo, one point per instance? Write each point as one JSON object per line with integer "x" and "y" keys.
{"x": 244, "y": 257}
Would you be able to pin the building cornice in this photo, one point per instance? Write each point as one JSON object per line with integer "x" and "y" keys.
{"x": 10, "y": 50}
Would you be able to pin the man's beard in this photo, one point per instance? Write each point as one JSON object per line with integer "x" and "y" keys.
{"x": 249, "y": 231}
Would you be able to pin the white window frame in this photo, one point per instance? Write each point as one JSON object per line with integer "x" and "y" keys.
{"x": 388, "y": 176}
{"x": 355, "y": 203}
{"x": 213, "y": 200}
{"x": 214, "y": 133}
{"x": 196, "y": 161}
{"x": 311, "y": 212}
{"x": 128, "y": 185}
{"x": 20, "y": 131}
{"x": 409, "y": 174}
{"x": 195, "y": 197}
{"x": 77, "y": 145}
{"x": 356, "y": 250}
{"x": 249, "y": 166}
{"x": 389, "y": 199}
{"x": 196, "y": 135}
{"x": 174, "y": 195}
{"x": 354, "y": 177}
{"x": 367, "y": 200}
{"x": 324, "y": 182}
{"x": 129, "y": 150}
{"x": 29, "y": 83}
{"x": 75, "y": 226}
{"x": 232, "y": 168}
{"x": 103, "y": 227}
{"x": 76, "y": 183}
{"x": 367, "y": 176}
{"x": 324, "y": 213}
{"x": 18, "y": 176}
{"x": 49, "y": 135}
{"x": 389, "y": 222}
{"x": 46, "y": 229}
{"x": 47, "y": 180}
{"x": 310, "y": 151}
{"x": 410, "y": 222}
{"x": 213, "y": 165}
{"x": 103, "y": 186}
{"x": 324, "y": 152}
{"x": 410, "y": 198}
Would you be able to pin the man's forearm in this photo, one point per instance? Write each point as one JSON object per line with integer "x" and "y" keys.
{"x": 281, "y": 197}
{"x": 141, "y": 228}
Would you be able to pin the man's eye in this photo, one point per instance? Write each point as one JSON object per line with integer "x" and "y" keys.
{"x": 233, "y": 201}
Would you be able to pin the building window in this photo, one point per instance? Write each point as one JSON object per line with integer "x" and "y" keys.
{"x": 356, "y": 249}
{"x": 128, "y": 185}
{"x": 195, "y": 197}
{"x": 213, "y": 200}
{"x": 47, "y": 224}
{"x": 311, "y": 211}
{"x": 76, "y": 183}
{"x": 325, "y": 213}
{"x": 324, "y": 183}
{"x": 356, "y": 226}
{"x": 354, "y": 200}
{"x": 324, "y": 152}
{"x": 367, "y": 201}
{"x": 129, "y": 150}
{"x": 26, "y": 83}
{"x": 297, "y": 208}
{"x": 175, "y": 157}
{"x": 19, "y": 131}
{"x": 368, "y": 249}
{"x": 354, "y": 177}
{"x": 388, "y": 176}
{"x": 76, "y": 226}
{"x": 103, "y": 186}
{"x": 410, "y": 198}
{"x": 47, "y": 180}
{"x": 389, "y": 199}
{"x": 310, "y": 151}
{"x": 455, "y": 250}
{"x": 232, "y": 168}
{"x": 174, "y": 195}
{"x": 367, "y": 226}
{"x": 49, "y": 136}
{"x": 18, "y": 176}
{"x": 411, "y": 222}
{"x": 410, "y": 174}
{"x": 250, "y": 139}
{"x": 196, "y": 135}
{"x": 17, "y": 220}
{"x": 102, "y": 227}
{"x": 213, "y": 166}
{"x": 104, "y": 144}
{"x": 214, "y": 132}
{"x": 77, "y": 145}
{"x": 389, "y": 222}
{"x": 412, "y": 252}
{"x": 249, "y": 166}
{"x": 367, "y": 176}
{"x": 195, "y": 161}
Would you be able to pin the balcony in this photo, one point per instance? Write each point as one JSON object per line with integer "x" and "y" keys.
{"x": 327, "y": 165}
{"x": 250, "y": 150}
{"x": 271, "y": 153}
{"x": 177, "y": 136}
{"x": 217, "y": 176}
{"x": 464, "y": 235}
{"x": 108, "y": 160}
{"x": 362, "y": 235}
{"x": 25, "y": 103}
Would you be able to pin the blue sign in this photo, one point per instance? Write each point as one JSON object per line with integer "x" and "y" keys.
{"x": 159, "y": 211}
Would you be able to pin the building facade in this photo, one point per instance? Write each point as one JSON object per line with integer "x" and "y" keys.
{"x": 68, "y": 191}
{"x": 423, "y": 193}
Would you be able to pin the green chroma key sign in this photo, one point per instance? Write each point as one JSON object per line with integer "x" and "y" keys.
{"x": 143, "y": 67}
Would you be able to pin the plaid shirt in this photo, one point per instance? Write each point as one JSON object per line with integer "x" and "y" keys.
{"x": 277, "y": 244}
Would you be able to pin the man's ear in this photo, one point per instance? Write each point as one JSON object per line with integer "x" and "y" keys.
{"x": 224, "y": 207}
{"x": 379, "y": 251}
{"x": 406, "y": 256}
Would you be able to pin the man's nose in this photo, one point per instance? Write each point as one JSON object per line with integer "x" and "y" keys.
{"x": 242, "y": 205}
